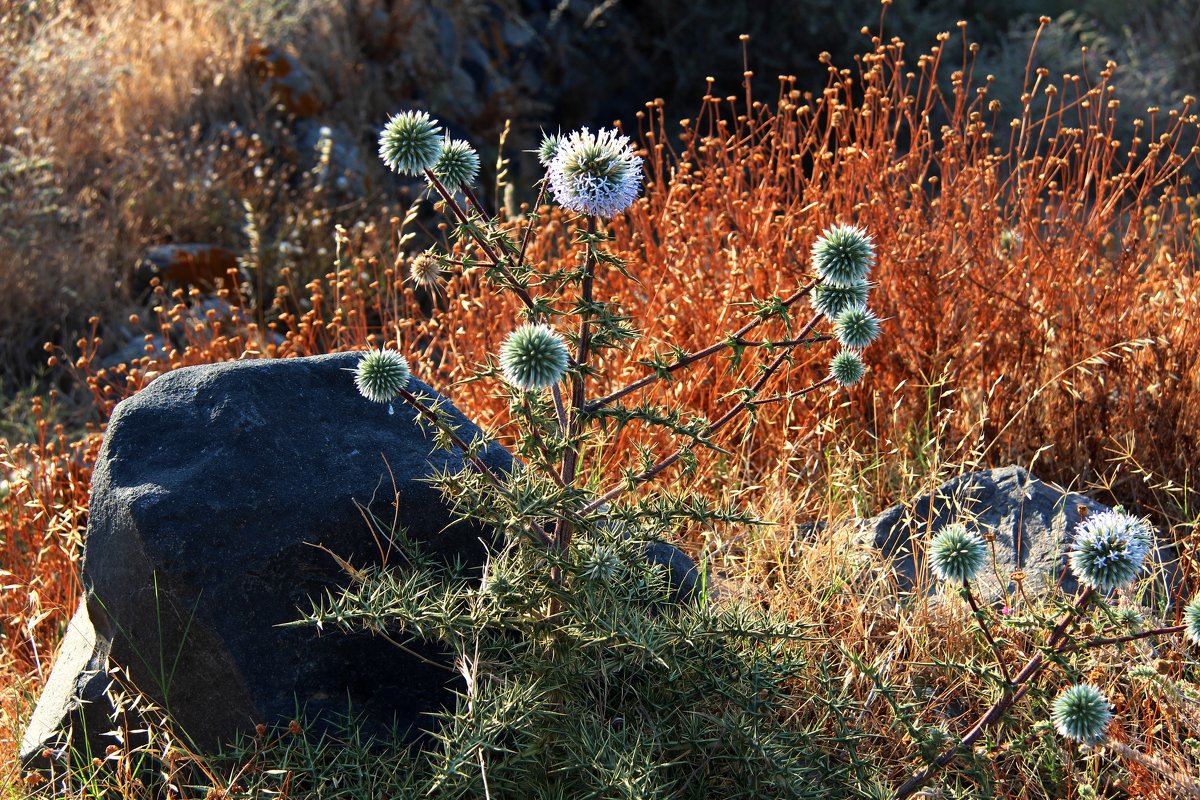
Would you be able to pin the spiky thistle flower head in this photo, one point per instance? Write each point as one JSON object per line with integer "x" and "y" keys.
{"x": 548, "y": 149}
{"x": 956, "y": 553}
{"x": 1191, "y": 619}
{"x": 843, "y": 254}
{"x": 829, "y": 300}
{"x": 409, "y": 143}
{"x": 533, "y": 357}
{"x": 847, "y": 368}
{"x": 426, "y": 270}
{"x": 595, "y": 173}
{"x": 1109, "y": 549}
{"x": 381, "y": 374}
{"x": 856, "y": 327}
{"x": 1081, "y": 713}
{"x": 457, "y": 165}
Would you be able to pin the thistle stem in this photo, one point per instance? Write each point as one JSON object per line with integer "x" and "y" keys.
{"x": 725, "y": 419}
{"x": 1022, "y": 682}
{"x": 700, "y": 355}
{"x": 484, "y": 245}
{"x": 987, "y": 634}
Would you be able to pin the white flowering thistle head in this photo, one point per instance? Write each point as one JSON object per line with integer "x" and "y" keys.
{"x": 1081, "y": 713}
{"x": 856, "y": 327}
{"x": 457, "y": 165}
{"x": 426, "y": 270}
{"x": 1109, "y": 549}
{"x": 548, "y": 149}
{"x": 843, "y": 254}
{"x": 381, "y": 374}
{"x": 409, "y": 143}
{"x": 1191, "y": 621}
{"x": 956, "y": 553}
{"x": 847, "y": 368}
{"x": 829, "y": 300}
{"x": 533, "y": 357}
{"x": 595, "y": 173}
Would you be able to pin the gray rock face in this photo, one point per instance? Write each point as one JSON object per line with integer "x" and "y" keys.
{"x": 218, "y": 498}
{"x": 1033, "y": 523}
{"x": 211, "y": 489}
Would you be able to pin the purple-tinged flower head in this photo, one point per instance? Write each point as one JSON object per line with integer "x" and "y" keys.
{"x": 595, "y": 173}
{"x": 1109, "y": 549}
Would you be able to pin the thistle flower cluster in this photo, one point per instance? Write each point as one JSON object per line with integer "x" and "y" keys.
{"x": 381, "y": 375}
{"x": 1081, "y": 713}
{"x": 842, "y": 257}
{"x": 956, "y": 554}
{"x": 426, "y": 270}
{"x": 411, "y": 144}
{"x": 592, "y": 173}
{"x": 1109, "y": 549}
{"x": 533, "y": 357}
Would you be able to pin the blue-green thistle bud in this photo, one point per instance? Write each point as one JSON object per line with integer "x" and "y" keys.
{"x": 1109, "y": 549}
{"x": 457, "y": 165}
{"x": 829, "y": 300}
{"x": 956, "y": 554}
{"x": 548, "y": 149}
{"x": 856, "y": 327}
{"x": 843, "y": 254}
{"x": 533, "y": 357}
{"x": 381, "y": 374}
{"x": 847, "y": 368}
{"x": 1191, "y": 619}
{"x": 595, "y": 173}
{"x": 409, "y": 143}
{"x": 1081, "y": 713}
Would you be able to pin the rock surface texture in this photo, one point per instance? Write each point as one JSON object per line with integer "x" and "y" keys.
{"x": 1033, "y": 522}
{"x": 212, "y": 488}
{"x": 219, "y": 499}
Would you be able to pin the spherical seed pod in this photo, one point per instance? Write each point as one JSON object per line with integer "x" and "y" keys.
{"x": 829, "y": 300}
{"x": 381, "y": 374}
{"x": 847, "y": 368}
{"x": 533, "y": 357}
{"x": 843, "y": 254}
{"x": 457, "y": 164}
{"x": 1081, "y": 713}
{"x": 409, "y": 144}
{"x": 956, "y": 553}
{"x": 856, "y": 327}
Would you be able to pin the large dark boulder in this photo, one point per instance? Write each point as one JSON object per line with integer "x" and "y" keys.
{"x": 219, "y": 500}
{"x": 210, "y": 492}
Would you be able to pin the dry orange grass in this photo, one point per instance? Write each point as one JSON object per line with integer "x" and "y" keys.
{"x": 1039, "y": 282}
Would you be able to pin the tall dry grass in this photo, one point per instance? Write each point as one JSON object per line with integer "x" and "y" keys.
{"x": 1038, "y": 277}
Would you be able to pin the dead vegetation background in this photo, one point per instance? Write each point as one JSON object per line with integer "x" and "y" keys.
{"x": 1037, "y": 269}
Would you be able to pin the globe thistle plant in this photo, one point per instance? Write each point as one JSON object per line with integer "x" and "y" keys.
{"x": 1109, "y": 549}
{"x": 457, "y": 164}
{"x": 548, "y": 149}
{"x": 381, "y": 374}
{"x": 856, "y": 327}
{"x": 533, "y": 357}
{"x": 843, "y": 255}
{"x": 956, "y": 554}
{"x": 829, "y": 300}
{"x": 409, "y": 143}
{"x": 594, "y": 173}
{"x": 1191, "y": 621}
{"x": 1081, "y": 713}
{"x": 847, "y": 368}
